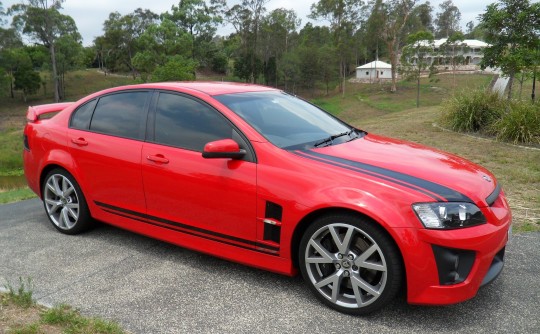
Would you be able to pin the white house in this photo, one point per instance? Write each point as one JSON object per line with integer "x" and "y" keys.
{"x": 472, "y": 51}
{"x": 375, "y": 71}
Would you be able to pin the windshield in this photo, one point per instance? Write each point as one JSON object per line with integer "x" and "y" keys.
{"x": 288, "y": 122}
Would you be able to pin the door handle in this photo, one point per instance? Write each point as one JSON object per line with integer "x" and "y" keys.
{"x": 158, "y": 158}
{"x": 79, "y": 141}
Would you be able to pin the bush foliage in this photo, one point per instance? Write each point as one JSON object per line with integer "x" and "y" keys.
{"x": 472, "y": 110}
{"x": 488, "y": 113}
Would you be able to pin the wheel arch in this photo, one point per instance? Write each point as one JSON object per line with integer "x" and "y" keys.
{"x": 48, "y": 168}
{"x": 304, "y": 223}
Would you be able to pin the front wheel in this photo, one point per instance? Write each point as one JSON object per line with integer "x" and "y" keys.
{"x": 64, "y": 203}
{"x": 350, "y": 263}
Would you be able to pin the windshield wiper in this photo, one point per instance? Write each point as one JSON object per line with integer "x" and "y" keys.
{"x": 329, "y": 141}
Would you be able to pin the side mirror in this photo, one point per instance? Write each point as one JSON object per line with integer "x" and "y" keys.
{"x": 223, "y": 149}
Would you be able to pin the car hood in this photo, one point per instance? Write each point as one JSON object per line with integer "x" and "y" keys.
{"x": 439, "y": 175}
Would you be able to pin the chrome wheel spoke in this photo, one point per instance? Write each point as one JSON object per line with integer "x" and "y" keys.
{"x": 335, "y": 281}
{"x": 57, "y": 189}
{"x": 362, "y": 262}
{"x": 325, "y": 256}
{"x": 361, "y": 284}
{"x": 50, "y": 186}
{"x": 52, "y": 205}
{"x": 342, "y": 245}
{"x": 68, "y": 191}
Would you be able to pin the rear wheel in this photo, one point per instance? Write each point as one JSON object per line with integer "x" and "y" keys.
{"x": 64, "y": 203}
{"x": 350, "y": 264}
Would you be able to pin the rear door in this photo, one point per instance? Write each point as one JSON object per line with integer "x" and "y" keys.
{"x": 211, "y": 198}
{"x": 105, "y": 138}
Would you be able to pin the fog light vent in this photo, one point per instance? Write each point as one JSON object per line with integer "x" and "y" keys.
{"x": 453, "y": 265}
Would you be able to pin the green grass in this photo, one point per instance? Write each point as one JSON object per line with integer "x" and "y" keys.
{"x": 73, "y": 322}
{"x": 15, "y": 195}
{"x": 24, "y": 316}
{"x": 21, "y": 296}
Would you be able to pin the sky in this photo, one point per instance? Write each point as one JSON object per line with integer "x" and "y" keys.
{"x": 89, "y": 15}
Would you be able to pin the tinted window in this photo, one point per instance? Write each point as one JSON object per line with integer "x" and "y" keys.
{"x": 186, "y": 123}
{"x": 120, "y": 115}
{"x": 82, "y": 116}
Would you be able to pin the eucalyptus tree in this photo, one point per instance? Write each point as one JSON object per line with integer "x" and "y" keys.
{"x": 276, "y": 30}
{"x": 246, "y": 17}
{"x": 452, "y": 47}
{"x": 200, "y": 19}
{"x": 512, "y": 30}
{"x": 164, "y": 46}
{"x": 395, "y": 14}
{"x": 344, "y": 17}
{"x": 415, "y": 57}
{"x": 42, "y": 21}
{"x": 448, "y": 19}
{"x": 119, "y": 43}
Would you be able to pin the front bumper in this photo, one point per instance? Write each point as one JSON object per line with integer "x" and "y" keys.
{"x": 448, "y": 267}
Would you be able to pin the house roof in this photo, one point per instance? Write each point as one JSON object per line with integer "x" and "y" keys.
{"x": 375, "y": 64}
{"x": 472, "y": 43}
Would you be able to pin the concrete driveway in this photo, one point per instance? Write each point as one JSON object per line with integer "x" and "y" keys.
{"x": 153, "y": 287}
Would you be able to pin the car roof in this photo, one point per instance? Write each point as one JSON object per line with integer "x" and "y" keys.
{"x": 210, "y": 88}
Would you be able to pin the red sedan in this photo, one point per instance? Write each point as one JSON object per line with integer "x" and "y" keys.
{"x": 257, "y": 176}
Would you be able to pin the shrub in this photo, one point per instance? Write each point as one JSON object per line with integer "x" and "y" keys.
{"x": 520, "y": 125}
{"x": 474, "y": 110}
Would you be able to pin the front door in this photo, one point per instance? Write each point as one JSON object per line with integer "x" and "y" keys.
{"x": 210, "y": 198}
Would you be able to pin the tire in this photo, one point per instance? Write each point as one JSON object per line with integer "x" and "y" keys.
{"x": 350, "y": 263}
{"x": 64, "y": 203}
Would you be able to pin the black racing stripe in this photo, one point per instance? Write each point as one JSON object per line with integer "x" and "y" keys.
{"x": 172, "y": 225}
{"x": 494, "y": 195}
{"x": 423, "y": 191}
{"x": 434, "y": 190}
{"x": 190, "y": 233}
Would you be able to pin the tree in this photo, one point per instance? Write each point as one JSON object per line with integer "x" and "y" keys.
{"x": 395, "y": 14}
{"x": 119, "y": 45}
{"x": 246, "y": 18}
{"x": 198, "y": 19}
{"x": 511, "y": 28}
{"x": 159, "y": 44}
{"x": 424, "y": 14}
{"x": 70, "y": 56}
{"x": 419, "y": 45}
{"x": 447, "y": 20}
{"x": 42, "y": 21}
{"x": 453, "y": 44}
{"x": 176, "y": 68}
{"x": 371, "y": 33}
{"x": 344, "y": 17}
{"x": 27, "y": 80}
{"x": 276, "y": 30}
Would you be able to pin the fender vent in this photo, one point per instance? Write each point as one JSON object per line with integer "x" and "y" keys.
{"x": 272, "y": 222}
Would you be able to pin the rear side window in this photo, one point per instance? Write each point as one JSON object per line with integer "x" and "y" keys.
{"x": 121, "y": 114}
{"x": 82, "y": 116}
{"x": 189, "y": 124}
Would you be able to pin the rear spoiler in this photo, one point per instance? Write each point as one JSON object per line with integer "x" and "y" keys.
{"x": 34, "y": 112}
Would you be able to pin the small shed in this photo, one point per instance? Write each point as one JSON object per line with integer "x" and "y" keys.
{"x": 376, "y": 70}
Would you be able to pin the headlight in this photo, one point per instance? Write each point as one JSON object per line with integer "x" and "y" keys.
{"x": 449, "y": 215}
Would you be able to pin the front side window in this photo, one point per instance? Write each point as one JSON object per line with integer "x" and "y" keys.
{"x": 183, "y": 122}
{"x": 121, "y": 115}
{"x": 286, "y": 121}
